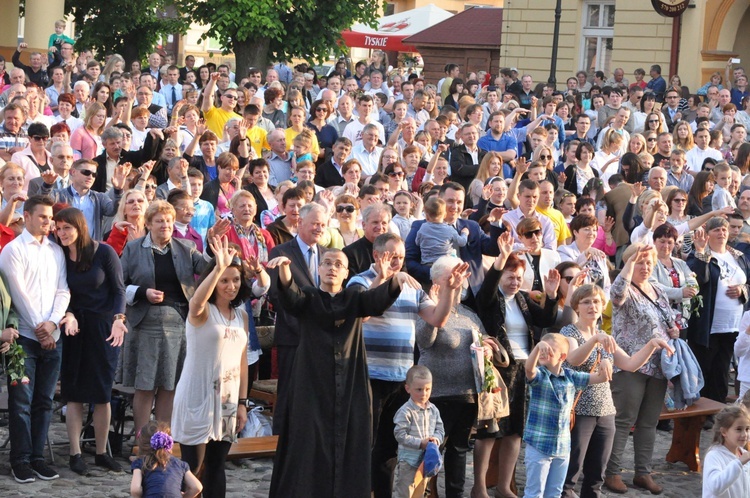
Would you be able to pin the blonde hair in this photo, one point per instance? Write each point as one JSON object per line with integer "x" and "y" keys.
{"x": 689, "y": 142}
{"x": 483, "y": 174}
{"x": 91, "y": 111}
{"x": 558, "y": 340}
{"x": 120, "y": 216}
{"x": 160, "y": 207}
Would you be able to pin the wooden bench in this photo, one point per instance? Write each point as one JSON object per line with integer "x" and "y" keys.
{"x": 686, "y": 436}
{"x": 265, "y": 390}
{"x": 248, "y": 447}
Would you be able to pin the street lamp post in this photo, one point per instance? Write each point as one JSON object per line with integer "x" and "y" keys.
{"x": 555, "y": 39}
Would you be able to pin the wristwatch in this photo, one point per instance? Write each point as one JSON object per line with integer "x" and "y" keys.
{"x": 245, "y": 402}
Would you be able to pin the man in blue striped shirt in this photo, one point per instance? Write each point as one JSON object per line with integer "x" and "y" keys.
{"x": 389, "y": 342}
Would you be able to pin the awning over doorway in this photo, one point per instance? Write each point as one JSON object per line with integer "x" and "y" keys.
{"x": 393, "y": 29}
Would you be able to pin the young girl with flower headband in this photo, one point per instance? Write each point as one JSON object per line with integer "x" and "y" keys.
{"x": 157, "y": 473}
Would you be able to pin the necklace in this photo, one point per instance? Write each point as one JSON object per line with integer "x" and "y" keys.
{"x": 227, "y": 324}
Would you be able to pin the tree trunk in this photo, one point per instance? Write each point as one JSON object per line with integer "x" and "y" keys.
{"x": 130, "y": 54}
{"x": 250, "y": 53}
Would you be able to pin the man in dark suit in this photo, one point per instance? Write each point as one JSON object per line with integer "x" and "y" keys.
{"x": 670, "y": 111}
{"x": 114, "y": 154}
{"x": 189, "y": 67}
{"x": 479, "y": 243}
{"x": 304, "y": 253}
{"x": 466, "y": 158}
{"x": 375, "y": 220}
{"x": 329, "y": 174}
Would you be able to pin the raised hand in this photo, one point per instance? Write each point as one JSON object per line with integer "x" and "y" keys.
{"x": 466, "y": 213}
{"x": 496, "y": 214}
{"x": 521, "y": 166}
{"x": 700, "y": 240}
{"x": 403, "y": 279}
{"x": 383, "y": 264}
{"x": 637, "y": 189}
{"x": 120, "y": 175}
{"x": 220, "y": 228}
{"x": 457, "y": 276}
{"x": 487, "y": 192}
{"x": 278, "y": 261}
{"x": 609, "y": 223}
{"x": 49, "y": 177}
{"x": 552, "y": 283}
{"x": 223, "y": 253}
{"x": 146, "y": 168}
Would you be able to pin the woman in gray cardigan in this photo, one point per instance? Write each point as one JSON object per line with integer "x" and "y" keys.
{"x": 673, "y": 275}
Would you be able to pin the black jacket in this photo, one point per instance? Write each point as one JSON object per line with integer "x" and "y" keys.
{"x": 328, "y": 176}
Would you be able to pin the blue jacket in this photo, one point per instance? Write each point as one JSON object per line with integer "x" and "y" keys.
{"x": 682, "y": 364}
{"x": 104, "y": 204}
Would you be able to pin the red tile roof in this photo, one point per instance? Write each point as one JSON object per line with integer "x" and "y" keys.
{"x": 477, "y": 26}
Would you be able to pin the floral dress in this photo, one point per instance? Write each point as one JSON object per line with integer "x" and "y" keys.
{"x": 205, "y": 402}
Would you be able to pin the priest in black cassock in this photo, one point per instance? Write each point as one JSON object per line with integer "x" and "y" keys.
{"x": 325, "y": 436}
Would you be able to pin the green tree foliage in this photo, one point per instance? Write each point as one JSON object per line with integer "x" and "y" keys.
{"x": 130, "y": 28}
{"x": 261, "y": 30}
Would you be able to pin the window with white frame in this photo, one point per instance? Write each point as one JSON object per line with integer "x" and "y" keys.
{"x": 597, "y": 34}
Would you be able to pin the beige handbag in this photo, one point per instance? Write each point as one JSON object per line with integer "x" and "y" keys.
{"x": 493, "y": 405}
{"x": 265, "y": 336}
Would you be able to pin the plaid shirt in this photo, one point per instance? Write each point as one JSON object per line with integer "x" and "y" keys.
{"x": 548, "y": 420}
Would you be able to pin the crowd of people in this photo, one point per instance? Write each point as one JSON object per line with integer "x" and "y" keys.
{"x": 391, "y": 230}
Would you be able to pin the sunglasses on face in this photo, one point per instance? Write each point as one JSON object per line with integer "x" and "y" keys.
{"x": 568, "y": 279}
{"x": 150, "y": 187}
{"x": 38, "y": 138}
{"x": 87, "y": 172}
{"x": 653, "y": 120}
{"x": 543, "y": 158}
{"x": 651, "y": 140}
{"x": 395, "y": 174}
{"x": 532, "y": 234}
{"x": 349, "y": 209}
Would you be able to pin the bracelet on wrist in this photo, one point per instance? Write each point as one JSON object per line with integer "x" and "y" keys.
{"x": 119, "y": 316}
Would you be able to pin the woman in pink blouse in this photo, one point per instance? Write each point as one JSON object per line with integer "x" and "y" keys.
{"x": 86, "y": 140}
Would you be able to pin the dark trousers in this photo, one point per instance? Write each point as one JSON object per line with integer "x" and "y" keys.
{"x": 30, "y": 405}
{"x": 458, "y": 418}
{"x": 714, "y": 362}
{"x": 387, "y": 398}
{"x": 285, "y": 361}
{"x": 591, "y": 445}
{"x": 213, "y": 476}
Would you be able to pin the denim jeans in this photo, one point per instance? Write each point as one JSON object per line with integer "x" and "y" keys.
{"x": 30, "y": 405}
{"x": 545, "y": 475}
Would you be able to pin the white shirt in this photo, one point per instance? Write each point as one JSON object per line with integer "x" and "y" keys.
{"x": 37, "y": 282}
{"x": 696, "y": 156}
{"x": 353, "y": 131}
{"x": 368, "y": 160}
{"x": 516, "y": 329}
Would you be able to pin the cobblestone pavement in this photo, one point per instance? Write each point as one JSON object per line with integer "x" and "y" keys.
{"x": 252, "y": 479}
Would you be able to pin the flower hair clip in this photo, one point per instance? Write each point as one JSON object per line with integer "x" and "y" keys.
{"x": 162, "y": 441}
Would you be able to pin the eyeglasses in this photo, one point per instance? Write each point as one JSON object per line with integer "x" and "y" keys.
{"x": 532, "y": 234}
{"x": 38, "y": 138}
{"x": 679, "y": 200}
{"x": 333, "y": 264}
{"x": 395, "y": 174}
{"x": 348, "y": 208}
{"x": 544, "y": 158}
{"x": 64, "y": 157}
{"x": 149, "y": 186}
{"x": 87, "y": 172}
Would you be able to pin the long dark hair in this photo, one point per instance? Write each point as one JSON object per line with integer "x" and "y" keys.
{"x": 245, "y": 291}
{"x": 85, "y": 246}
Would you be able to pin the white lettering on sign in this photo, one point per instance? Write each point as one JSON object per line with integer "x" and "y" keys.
{"x": 373, "y": 41}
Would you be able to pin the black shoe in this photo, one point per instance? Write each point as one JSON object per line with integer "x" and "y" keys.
{"x": 709, "y": 423}
{"x": 665, "y": 425}
{"x": 44, "y": 471}
{"x": 78, "y": 466}
{"x": 106, "y": 461}
{"x": 22, "y": 473}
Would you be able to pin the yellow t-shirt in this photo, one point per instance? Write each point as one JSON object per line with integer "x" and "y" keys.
{"x": 291, "y": 134}
{"x": 558, "y": 221}
{"x": 216, "y": 118}
{"x": 258, "y": 140}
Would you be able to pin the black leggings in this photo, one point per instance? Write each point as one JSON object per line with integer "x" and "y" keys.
{"x": 213, "y": 477}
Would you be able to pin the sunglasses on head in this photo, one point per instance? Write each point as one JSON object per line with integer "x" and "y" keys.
{"x": 87, "y": 172}
{"x": 348, "y": 208}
